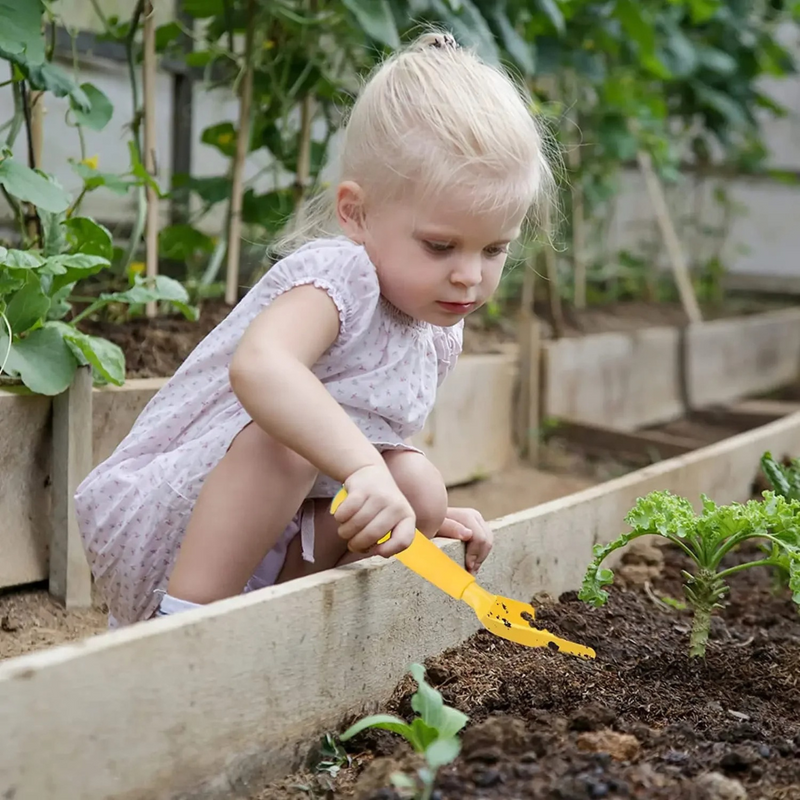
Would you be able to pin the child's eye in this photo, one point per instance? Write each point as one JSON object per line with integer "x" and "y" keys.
{"x": 496, "y": 250}
{"x": 438, "y": 247}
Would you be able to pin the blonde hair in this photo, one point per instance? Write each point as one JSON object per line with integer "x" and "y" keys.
{"x": 434, "y": 117}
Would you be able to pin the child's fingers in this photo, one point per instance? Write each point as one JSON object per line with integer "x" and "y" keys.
{"x": 402, "y": 536}
{"x": 382, "y": 523}
{"x": 454, "y": 530}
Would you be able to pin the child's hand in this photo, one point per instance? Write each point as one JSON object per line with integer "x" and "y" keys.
{"x": 374, "y": 506}
{"x": 469, "y": 526}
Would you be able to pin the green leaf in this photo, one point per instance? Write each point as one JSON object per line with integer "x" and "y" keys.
{"x": 9, "y": 283}
{"x": 51, "y": 78}
{"x": 20, "y": 259}
{"x": 87, "y": 236}
{"x": 21, "y": 31}
{"x": 68, "y": 269}
{"x": 27, "y": 306}
{"x": 777, "y": 476}
{"x": 93, "y": 179}
{"x": 32, "y": 187}
{"x": 428, "y": 703}
{"x": 167, "y": 34}
{"x": 182, "y": 242}
{"x": 385, "y": 722}
{"x": 53, "y": 232}
{"x": 722, "y": 103}
{"x": 442, "y": 752}
{"x": 222, "y": 136}
{"x": 59, "y": 305}
{"x": 212, "y": 189}
{"x": 551, "y": 10}
{"x": 163, "y": 288}
{"x": 518, "y": 48}
{"x": 470, "y": 28}
{"x": 106, "y": 358}
{"x": 100, "y": 110}
{"x": 43, "y": 360}
{"x": 271, "y": 210}
{"x": 202, "y": 9}
{"x": 375, "y": 18}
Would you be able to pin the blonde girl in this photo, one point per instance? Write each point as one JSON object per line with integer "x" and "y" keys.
{"x": 331, "y": 362}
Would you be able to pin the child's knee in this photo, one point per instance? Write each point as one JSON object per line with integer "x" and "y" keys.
{"x": 423, "y": 486}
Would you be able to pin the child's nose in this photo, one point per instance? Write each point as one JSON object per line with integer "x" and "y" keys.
{"x": 467, "y": 272}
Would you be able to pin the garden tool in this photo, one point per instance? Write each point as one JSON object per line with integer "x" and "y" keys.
{"x": 509, "y": 619}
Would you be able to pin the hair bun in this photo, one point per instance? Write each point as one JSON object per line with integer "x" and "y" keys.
{"x": 441, "y": 41}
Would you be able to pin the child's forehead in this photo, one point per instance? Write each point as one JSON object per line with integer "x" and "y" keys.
{"x": 461, "y": 215}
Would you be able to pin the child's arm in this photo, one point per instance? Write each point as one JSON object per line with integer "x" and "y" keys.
{"x": 270, "y": 374}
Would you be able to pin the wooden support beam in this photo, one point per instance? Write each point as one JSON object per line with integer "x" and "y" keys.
{"x": 602, "y": 440}
{"x": 70, "y": 576}
{"x": 741, "y": 419}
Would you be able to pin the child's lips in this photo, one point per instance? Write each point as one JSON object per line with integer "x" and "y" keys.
{"x": 456, "y": 308}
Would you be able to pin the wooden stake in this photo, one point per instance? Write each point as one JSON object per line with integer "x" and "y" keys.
{"x": 149, "y": 92}
{"x": 578, "y": 224}
{"x": 242, "y": 143}
{"x": 670, "y": 236}
{"x": 527, "y": 412}
{"x": 70, "y": 576}
{"x": 554, "y": 291}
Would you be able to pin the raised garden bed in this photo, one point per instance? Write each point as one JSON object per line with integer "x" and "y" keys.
{"x": 641, "y": 721}
{"x": 248, "y": 684}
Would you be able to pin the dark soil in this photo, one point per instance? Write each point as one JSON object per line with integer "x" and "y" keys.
{"x": 156, "y": 348}
{"x": 640, "y": 721}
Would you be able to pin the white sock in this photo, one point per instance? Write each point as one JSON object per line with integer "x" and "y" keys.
{"x": 174, "y": 605}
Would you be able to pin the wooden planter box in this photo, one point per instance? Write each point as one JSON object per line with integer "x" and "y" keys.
{"x": 245, "y": 685}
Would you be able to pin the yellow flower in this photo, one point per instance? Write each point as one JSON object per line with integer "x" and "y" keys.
{"x": 90, "y": 162}
{"x": 225, "y": 138}
{"x": 268, "y": 44}
{"x": 136, "y": 267}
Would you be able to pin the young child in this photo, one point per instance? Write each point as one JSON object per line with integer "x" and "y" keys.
{"x": 331, "y": 362}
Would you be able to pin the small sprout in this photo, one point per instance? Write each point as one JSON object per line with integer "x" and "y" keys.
{"x": 432, "y": 734}
{"x": 707, "y": 538}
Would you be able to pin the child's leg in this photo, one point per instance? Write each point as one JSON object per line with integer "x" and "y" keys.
{"x": 418, "y": 480}
{"x": 245, "y": 505}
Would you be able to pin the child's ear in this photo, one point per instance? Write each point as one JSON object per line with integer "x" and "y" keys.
{"x": 350, "y": 210}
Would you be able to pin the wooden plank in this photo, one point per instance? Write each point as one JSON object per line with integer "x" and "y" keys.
{"x": 70, "y": 576}
{"x": 731, "y": 359}
{"x": 604, "y": 440}
{"x": 247, "y": 684}
{"x": 736, "y": 419}
{"x": 773, "y": 408}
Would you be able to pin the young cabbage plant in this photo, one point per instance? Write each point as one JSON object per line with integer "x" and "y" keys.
{"x": 707, "y": 538}
{"x": 432, "y": 734}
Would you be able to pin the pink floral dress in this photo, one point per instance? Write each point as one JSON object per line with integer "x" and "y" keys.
{"x": 384, "y": 369}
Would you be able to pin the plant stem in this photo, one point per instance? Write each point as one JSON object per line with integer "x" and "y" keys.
{"x": 149, "y": 92}
{"x": 701, "y": 625}
{"x": 765, "y": 562}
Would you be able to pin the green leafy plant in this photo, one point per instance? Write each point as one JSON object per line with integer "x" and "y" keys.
{"x": 40, "y": 343}
{"x": 432, "y": 734}
{"x": 783, "y": 478}
{"x": 707, "y": 538}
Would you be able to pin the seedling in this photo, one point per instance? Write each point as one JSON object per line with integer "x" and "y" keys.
{"x": 432, "y": 734}
{"x": 707, "y": 538}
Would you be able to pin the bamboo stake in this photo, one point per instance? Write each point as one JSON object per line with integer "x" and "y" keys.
{"x": 578, "y": 224}
{"x": 671, "y": 241}
{"x": 242, "y": 142}
{"x": 527, "y": 423}
{"x": 303, "y": 176}
{"x": 36, "y": 100}
{"x": 149, "y": 92}
{"x": 554, "y": 291}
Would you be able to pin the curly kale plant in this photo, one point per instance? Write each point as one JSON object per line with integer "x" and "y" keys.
{"x": 784, "y": 479}
{"x": 707, "y": 538}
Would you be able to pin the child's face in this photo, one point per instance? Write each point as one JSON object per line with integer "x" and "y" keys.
{"x": 437, "y": 261}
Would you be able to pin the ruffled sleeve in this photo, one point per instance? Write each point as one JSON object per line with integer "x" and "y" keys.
{"x": 339, "y": 267}
{"x": 448, "y": 343}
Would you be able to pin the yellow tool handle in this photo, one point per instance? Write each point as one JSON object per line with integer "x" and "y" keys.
{"x": 427, "y": 560}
